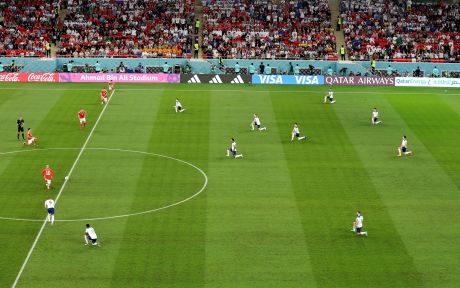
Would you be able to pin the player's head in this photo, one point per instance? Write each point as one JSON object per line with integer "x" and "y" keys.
{"x": 358, "y": 213}
{"x": 404, "y": 137}
{"x": 375, "y": 109}
{"x": 28, "y": 129}
{"x": 47, "y": 166}
{"x": 295, "y": 124}
{"x": 233, "y": 139}
{"x": 87, "y": 226}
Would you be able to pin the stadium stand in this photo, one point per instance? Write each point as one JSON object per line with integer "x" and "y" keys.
{"x": 26, "y": 27}
{"x": 138, "y": 28}
{"x": 261, "y": 29}
{"x": 390, "y": 30}
{"x": 401, "y": 31}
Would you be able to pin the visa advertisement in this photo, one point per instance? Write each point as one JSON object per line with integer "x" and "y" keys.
{"x": 288, "y": 79}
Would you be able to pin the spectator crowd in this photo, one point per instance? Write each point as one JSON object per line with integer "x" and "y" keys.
{"x": 26, "y": 27}
{"x": 268, "y": 29}
{"x": 400, "y": 30}
{"x": 140, "y": 28}
{"x": 393, "y": 30}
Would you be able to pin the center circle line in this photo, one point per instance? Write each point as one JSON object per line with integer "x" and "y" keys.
{"x": 205, "y": 184}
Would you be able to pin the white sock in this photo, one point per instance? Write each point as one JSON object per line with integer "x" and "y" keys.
{"x": 239, "y": 155}
{"x": 182, "y": 110}
{"x": 48, "y": 218}
{"x": 52, "y": 219}
{"x": 86, "y": 239}
{"x": 263, "y": 128}
{"x": 252, "y": 127}
{"x": 301, "y": 138}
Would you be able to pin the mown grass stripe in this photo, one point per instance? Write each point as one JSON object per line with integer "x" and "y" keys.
{"x": 175, "y": 250}
{"x": 330, "y": 184}
{"x": 254, "y": 237}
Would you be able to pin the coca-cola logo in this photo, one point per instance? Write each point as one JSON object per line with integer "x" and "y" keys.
{"x": 41, "y": 77}
{"x": 9, "y": 77}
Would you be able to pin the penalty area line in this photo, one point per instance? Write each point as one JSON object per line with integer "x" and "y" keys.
{"x": 82, "y": 149}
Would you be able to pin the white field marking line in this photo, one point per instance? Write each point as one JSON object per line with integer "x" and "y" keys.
{"x": 123, "y": 215}
{"x": 249, "y": 91}
{"x": 60, "y": 190}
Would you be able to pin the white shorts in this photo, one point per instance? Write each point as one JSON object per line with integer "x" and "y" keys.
{"x": 104, "y": 99}
{"x": 48, "y": 181}
{"x": 110, "y": 88}
{"x": 82, "y": 120}
{"x": 31, "y": 141}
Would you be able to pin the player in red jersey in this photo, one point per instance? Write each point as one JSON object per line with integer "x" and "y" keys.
{"x": 48, "y": 174}
{"x": 104, "y": 96}
{"x": 82, "y": 117}
{"x": 111, "y": 85}
{"x": 30, "y": 138}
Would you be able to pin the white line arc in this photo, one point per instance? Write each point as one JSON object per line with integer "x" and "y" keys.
{"x": 203, "y": 187}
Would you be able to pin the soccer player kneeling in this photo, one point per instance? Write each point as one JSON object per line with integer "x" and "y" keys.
{"x": 403, "y": 148}
{"x": 375, "y": 117}
{"x": 296, "y": 133}
{"x": 178, "y": 106}
{"x": 256, "y": 123}
{"x": 358, "y": 225}
{"x": 31, "y": 140}
{"x": 232, "y": 150}
{"x": 329, "y": 97}
{"x": 90, "y": 235}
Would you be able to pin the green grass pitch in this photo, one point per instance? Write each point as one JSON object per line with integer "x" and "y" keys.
{"x": 279, "y": 217}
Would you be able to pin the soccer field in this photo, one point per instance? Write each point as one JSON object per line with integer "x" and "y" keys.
{"x": 171, "y": 210}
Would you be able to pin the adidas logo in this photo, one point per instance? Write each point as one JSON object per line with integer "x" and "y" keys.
{"x": 237, "y": 80}
{"x": 216, "y": 80}
{"x": 194, "y": 79}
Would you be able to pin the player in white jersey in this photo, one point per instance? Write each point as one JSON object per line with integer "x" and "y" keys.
{"x": 178, "y": 106}
{"x": 256, "y": 123}
{"x": 296, "y": 133}
{"x": 49, "y": 205}
{"x": 329, "y": 97}
{"x": 232, "y": 150}
{"x": 403, "y": 148}
{"x": 358, "y": 225}
{"x": 90, "y": 235}
{"x": 375, "y": 117}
